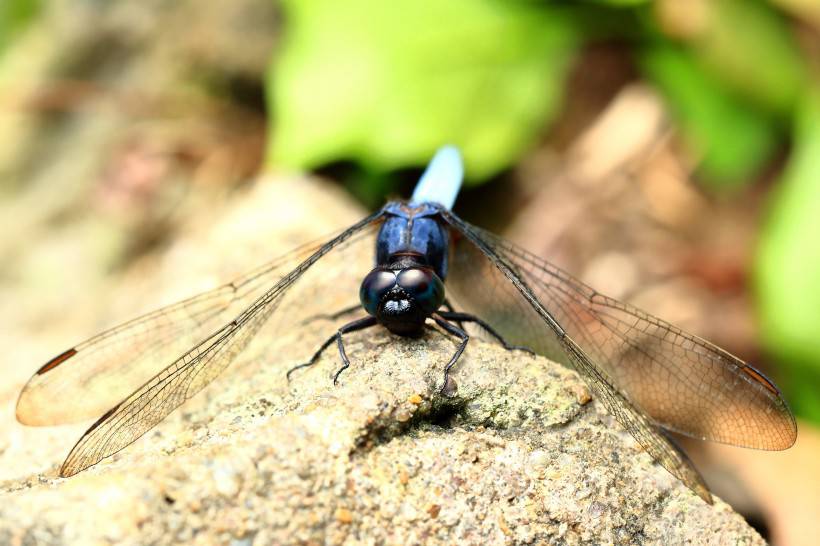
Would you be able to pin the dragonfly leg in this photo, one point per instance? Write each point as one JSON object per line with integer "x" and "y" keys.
{"x": 457, "y": 332}
{"x": 314, "y": 358}
{"x": 449, "y": 306}
{"x": 334, "y": 316}
{"x": 359, "y": 324}
{"x": 350, "y": 327}
{"x": 466, "y": 317}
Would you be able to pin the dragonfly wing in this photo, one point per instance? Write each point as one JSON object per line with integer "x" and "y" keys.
{"x": 188, "y": 374}
{"x": 645, "y": 371}
{"x": 151, "y": 403}
{"x": 104, "y": 369}
{"x": 685, "y": 383}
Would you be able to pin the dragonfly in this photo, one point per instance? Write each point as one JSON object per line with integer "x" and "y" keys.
{"x": 431, "y": 268}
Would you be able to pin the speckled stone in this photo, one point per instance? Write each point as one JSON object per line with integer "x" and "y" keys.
{"x": 511, "y": 458}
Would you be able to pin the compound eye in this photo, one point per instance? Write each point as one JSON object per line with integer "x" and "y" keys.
{"x": 374, "y": 286}
{"x": 424, "y": 286}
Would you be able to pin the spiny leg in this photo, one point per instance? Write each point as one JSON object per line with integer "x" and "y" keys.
{"x": 466, "y": 317}
{"x": 334, "y": 316}
{"x": 314, "y": 358}
{"x": 455, "y": 331}
{"x": 358, "y": 324}
{"x": 449, "y": 307}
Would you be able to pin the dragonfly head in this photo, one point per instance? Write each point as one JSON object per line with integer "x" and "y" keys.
{"x": 402, "y": 294}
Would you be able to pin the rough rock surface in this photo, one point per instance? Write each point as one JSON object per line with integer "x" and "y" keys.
{"x": 515, "y": 452}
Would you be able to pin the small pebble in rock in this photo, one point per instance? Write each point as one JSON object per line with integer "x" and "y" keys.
{"x": 343, "y": 515}
{"x": 581, "y": 393}
{"x": 226, "y": 481}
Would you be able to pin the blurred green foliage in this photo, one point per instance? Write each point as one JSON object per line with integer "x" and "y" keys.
{"x": 733, "y": 86}
{"x": 733, "y": 139}
{"x": 14, "y": 14}
{"x": 788, "y": 266}
{"x": 386, "y": 83}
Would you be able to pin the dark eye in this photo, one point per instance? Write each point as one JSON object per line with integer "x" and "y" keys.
{"x": 424, "y": 287}
{"x": 374, "y": 286}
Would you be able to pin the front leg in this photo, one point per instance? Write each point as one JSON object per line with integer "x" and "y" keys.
{"x": 466, "y": 317}
{"x": 457, "y": 332}
{"x": 333, "y": 316}
{"x": 359, "y": 324}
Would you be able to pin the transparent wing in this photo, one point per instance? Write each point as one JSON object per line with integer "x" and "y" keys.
{"x": 104, "y": 369}
{"x": 188, "y": 374}
{"x": 644, "y": 370}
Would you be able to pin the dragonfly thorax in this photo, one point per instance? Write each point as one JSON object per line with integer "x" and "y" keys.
{"x": 402, "y": 294}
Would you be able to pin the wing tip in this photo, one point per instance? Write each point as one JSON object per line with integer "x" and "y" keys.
{"x": 26, "y": 410}
{"x": 65, "y": 471}
{"x": 22, "y": 415}
{"x": 702, "y": 492}
{"x": 790, "y": 437}
{"x": 788, "y": 429}
{"x": 70, "y": 466}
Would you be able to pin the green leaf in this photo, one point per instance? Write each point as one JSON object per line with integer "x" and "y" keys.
{"x": 788, "y": 267}
{"x": 386, "y": 83}
{"x": 732, "y": 139}
{"x": 14, "y": 14}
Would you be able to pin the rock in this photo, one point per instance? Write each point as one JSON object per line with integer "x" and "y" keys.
{"x": 515, "y": 452}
